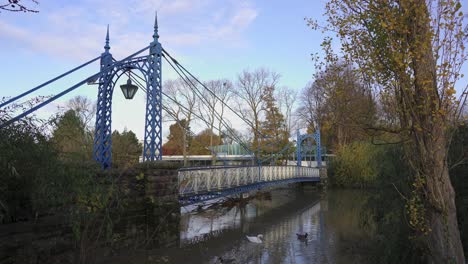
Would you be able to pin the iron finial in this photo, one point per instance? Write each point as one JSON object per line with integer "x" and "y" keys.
{"x": 107, "y": 47}
{"x": 155, "y": 35}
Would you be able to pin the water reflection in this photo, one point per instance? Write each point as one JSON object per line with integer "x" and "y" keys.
{"x": 332, "y": 221}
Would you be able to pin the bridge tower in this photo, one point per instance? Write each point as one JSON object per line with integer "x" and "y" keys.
{"x": 110, "y": 72}
{"x": 318, "y": 151}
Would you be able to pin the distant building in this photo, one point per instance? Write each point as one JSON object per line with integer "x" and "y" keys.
{"x": 222, "y": 155}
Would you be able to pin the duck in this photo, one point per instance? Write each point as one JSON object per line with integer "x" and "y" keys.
{"x": 257, "y": 239}
{"x": 224, "y": 260}
{"x": 302, "y": 236}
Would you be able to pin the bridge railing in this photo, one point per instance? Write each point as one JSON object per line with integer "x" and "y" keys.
{"x": 209, "y": 179}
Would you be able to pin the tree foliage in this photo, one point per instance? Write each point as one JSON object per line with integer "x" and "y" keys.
{"x": 411, "y": 52}
{"x": 200, "y": 143}
{"x": 35, "y": 178}
{"x": 274, "y": 131}
{"x": 71, "y": 138}
{"x": 175, "y": 144}
{"x": 340, "y": 103}
{"x": 126, "y": 150}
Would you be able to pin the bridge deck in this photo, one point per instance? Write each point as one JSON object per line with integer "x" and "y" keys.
{"x": 202, "y": 184}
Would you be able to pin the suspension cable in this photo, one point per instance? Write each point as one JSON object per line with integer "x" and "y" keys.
{"x": 234, "y": 136}
{"x": 53, "y": 98}
{"x": 187, "y": 80}
{"x": 36, "y": 107}
{"x": 180, "y": 70}
{"x": 184, "y": 108}
{"x": 48, "y": 82}
{"x": 180, "y": 105}
{"x": 211, "y": 92}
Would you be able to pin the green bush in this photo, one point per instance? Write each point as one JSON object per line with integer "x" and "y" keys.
{"x": 354, "y": 165}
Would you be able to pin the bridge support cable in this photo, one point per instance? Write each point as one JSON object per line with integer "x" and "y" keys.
{"x": 53, "y": 98}
{"x": 187, "y": 80}
{"x": 138, "y": 83}
{"x": 48, "y": 82}
{"x": 183, "y": 69}
{"x": 275, "y": 155}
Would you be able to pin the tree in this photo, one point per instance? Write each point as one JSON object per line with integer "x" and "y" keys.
{"x": 174, "y": 145}
{"x": 233, "y": 136}
{"x": 213, "y": 106}
{"x": 340, "y": 103}
{"x": 225, "y": 93}
{"x": 27, "y": 163}
{"x": 412, "y": 51}
{"x": 286, "y": 99}
{"x": 274, "y": 132}
{"x": 180, "y": 103}
{"x": 69, "y": 137}
{"x": 249, "y": 93}
{"x": 84, "y": 108}
{"x": 199, "y": 145}
{"x": 126, "y": 150}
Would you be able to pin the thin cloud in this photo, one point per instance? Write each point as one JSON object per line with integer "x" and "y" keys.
{"x": 78, "y": 33}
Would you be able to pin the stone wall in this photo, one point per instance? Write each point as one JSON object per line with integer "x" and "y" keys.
{"x": 144, "y": 213}
{"x": 152, "y": 202}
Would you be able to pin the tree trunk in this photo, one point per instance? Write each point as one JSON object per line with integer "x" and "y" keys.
{"x": 429, "y": 137}
{"x": 443, "y": 241}
{"x": 439, "y": 234}
{"x": 184, "y": 147}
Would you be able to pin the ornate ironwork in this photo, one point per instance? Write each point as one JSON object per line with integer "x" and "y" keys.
{"x": 318, "y": 152}
{"x": 211, "y": 182}
{"x": 150, "y": 67}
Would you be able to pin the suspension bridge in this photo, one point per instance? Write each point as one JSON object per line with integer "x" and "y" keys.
{"x": 195, "y": 184}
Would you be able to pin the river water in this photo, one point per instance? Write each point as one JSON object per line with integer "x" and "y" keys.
{"x": 332, "y": 219}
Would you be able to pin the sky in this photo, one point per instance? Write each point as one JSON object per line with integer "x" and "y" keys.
{"x": 212, "y": 38}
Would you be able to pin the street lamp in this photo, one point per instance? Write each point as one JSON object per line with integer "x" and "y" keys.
{"x": 129, "y": 90}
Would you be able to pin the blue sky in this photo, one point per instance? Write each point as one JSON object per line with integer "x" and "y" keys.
{"x": 212, "y": 38}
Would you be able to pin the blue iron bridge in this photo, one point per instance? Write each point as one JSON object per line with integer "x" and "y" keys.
{"x": 195, "y": 184}
{"x": 202, "y": 184}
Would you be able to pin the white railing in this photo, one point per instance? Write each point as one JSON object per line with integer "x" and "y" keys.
{"x": 200, "y": 180}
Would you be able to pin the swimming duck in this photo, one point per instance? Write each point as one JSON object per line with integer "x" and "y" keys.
{"x": 302, "y": 236}
{"x": 225, "y": 260}
{"x": 257, "y": 239}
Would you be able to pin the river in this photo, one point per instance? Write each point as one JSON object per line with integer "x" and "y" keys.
{"x": 338, "y": 231}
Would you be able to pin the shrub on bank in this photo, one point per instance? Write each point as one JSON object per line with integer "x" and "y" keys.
{"x": 354, "y": 165}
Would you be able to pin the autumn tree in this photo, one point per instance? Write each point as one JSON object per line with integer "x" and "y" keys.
{"x": 412, "y": 51}
{"x": 200, "y": 143}
{"x": 174, "y": 144}
{"x": 274, "y": 131}
{"x": 339, "y": 103}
